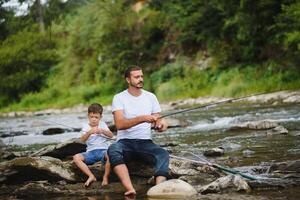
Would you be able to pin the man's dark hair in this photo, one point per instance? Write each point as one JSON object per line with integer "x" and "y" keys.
{"x": 130, "y": 69}
{"x": 95, "y": 108}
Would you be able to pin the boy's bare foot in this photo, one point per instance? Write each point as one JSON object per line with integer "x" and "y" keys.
{"x": 104, "y": 182}
{"x": 89, "y": 181}
{"x": 130, "y": 192}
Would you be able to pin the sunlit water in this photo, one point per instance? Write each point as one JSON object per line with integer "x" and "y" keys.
{"x": 208, "y": 129}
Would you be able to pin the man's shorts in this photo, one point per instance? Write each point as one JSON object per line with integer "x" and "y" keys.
{"x": 90, "y": 157}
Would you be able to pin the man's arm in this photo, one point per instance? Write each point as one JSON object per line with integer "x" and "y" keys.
{"x": 123, "y": 123}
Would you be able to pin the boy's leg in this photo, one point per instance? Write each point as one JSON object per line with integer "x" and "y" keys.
{"x": 116, "y": 158}
{"x": 78, "y": 160}
{"x": 106, "y": 171}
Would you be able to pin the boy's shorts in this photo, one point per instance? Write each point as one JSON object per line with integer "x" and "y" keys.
{"x": 90, "y": 157}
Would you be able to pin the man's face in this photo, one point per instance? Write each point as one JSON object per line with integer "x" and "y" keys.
{"x": 136, "y": 79}
{"x": 94, "y": 119}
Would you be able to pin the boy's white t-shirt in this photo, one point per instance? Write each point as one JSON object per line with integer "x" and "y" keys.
{"x": 132, "y": 106}
{"x": 95, "y": 141}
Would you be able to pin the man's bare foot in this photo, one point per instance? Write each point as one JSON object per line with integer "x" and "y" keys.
{"x": 130, "y": 192}
{"x": 104, "y": 182}
{"x": 89, "y": 181}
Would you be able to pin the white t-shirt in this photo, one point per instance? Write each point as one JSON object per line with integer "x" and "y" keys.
{"x": 132, "y": 106}
{"x": 95, "y": 141}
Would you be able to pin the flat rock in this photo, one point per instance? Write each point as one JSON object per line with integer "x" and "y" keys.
{"x": 173, "y": 188}
{"x": 62, "y": 150}
{"x": 35, "y": 168}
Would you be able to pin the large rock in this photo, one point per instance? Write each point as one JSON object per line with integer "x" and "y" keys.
{"x": 173, "y": 188}
{"x": 229, "y": 182}
{"x": 62, "y": 150}
{"x": 35, "y": 168}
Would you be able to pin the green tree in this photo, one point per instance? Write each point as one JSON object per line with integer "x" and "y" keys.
{"x": 25, "y": 60}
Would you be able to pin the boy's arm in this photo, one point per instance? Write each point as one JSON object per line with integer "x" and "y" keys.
{"x": 106, "y": 133}
{"x": 86, "y": 135}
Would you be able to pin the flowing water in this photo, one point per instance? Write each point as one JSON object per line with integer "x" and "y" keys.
{"x": 208, "y": 128}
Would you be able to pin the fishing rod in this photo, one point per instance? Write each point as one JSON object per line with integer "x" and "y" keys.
{"x": 213, "y": 104}
{"x": 225, "y": 169}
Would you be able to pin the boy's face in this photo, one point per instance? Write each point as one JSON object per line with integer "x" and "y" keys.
{"x": 94, "y": 118}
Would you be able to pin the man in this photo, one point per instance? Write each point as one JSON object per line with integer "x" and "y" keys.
{"x": 134, "y": 111}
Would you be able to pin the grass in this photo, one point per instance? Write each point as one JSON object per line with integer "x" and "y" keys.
{"x": 170, "y": 83}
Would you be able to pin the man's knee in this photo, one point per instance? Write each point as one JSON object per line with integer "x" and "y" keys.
{"x": 163, "y": 155}
{"x": 115, "y": 154}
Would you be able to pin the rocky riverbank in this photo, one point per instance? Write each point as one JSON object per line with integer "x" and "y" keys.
{"x": 275, "y": 98}
{"x": 51, "y": 172}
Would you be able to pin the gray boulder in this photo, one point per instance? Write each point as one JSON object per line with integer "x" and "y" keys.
{"x": 230, "y": 182}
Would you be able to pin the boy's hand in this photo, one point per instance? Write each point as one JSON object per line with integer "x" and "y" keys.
{"x": 94, "y": 130}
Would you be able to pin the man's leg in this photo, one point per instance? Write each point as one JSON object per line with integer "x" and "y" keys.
{"x": 116, "y": 157}
{"x": 123, "y": 174}
{"x": 78, "y": 160}
{"x": 159, "y": 157}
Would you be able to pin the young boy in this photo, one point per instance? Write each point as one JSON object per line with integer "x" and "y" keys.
{"x": 95, "y": 134}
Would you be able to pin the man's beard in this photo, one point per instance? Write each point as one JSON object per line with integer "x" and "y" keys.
{"x": 139, "y": 85}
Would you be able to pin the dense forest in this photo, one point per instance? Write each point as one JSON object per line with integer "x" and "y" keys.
{"x": 61, "y": 53}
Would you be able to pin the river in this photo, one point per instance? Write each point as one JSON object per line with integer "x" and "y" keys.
{"x": 208, "y": 128}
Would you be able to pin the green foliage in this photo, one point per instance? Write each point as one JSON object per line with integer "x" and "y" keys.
{"x": 254, "y": 45}
{"x": 25, "y": 59}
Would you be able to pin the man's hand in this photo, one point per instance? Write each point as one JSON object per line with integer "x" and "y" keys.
{"x": 160, "y": 125}
{"x": 150, "y": 118}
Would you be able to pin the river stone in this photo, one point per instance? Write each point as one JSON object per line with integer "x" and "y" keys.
{"x": 35, "y": 168}
{"x": 173, "y": 188}
{"x": 218, "y": 151}
{"x": 53, "y": 131}
{"x": 278, "y": 130}
{"x": 235, "y": 182}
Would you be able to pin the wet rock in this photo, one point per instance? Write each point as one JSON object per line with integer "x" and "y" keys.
{"x": 62, "y": 150}
{"x": 42, "y": 189}
{"x": 53, "y": 131}
{"x": 289, "y": 166}
{"x": 256, "y": 125}
{"x": 11, "y": 155}
{"x": 13, "y": 133}
{"x": 35, "y": 168}
{"x": 173, "y": 188}
{"x": 277, "y": 130}
{"x": 218, "y": 151}
{"x": 248, "y": 152}
{"x": 273, "y": 183}
{"x": 229, "y": 182}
